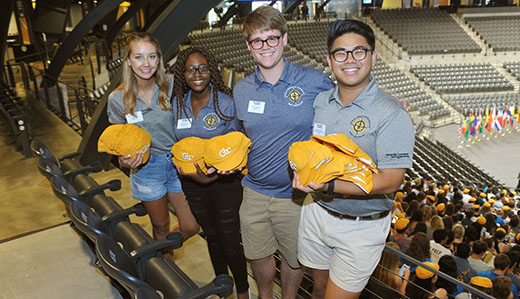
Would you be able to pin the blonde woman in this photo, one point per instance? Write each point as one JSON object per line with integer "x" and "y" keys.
{"x": 143, "y": 99}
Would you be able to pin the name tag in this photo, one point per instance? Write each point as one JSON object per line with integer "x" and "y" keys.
{"x": 134, "y": 119}
{"x": 256, "y": 107}
{"x": 319, "y": 129}
{"x": 184, "y": 123}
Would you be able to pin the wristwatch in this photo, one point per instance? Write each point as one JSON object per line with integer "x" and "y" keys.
{"x": 330, "y": 188}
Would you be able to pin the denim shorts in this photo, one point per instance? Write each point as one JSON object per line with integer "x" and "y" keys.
{"x": 154, "y": 179}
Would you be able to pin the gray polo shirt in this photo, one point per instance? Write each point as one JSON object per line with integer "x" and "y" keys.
{"x": 379, "y": 124}
{"x": 157, "y": 122}
{"x": 275, "y": 116}
{"x": 207, "y": 124}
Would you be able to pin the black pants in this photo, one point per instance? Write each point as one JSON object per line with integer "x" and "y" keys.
{"x": 215, "y": 207}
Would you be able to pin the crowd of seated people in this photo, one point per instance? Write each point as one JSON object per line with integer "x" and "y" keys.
{"x": 468, "y": 233}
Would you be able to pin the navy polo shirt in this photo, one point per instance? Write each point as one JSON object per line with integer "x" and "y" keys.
{"x": 273, "y": 117}
{"x": 380, "y": 125}
{"x": 207, "y": 124}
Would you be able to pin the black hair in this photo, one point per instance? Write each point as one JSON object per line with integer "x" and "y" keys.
{"x": 180, "y": 87}
{"x": 340, "y": 27}
{"x": 440, "y": 235}
{"x": 463, "y": 250}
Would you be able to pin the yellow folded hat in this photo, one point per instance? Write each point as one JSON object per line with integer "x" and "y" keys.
{"x": 423, "y": 273}
{"x": 344, "y": 144}
{"x": 401, "y": 223}
{"x": 227, "y": 152}
{"x": 188, "y": 151}
{"x": 127, "y": 139}
{"x": 306, "y": 158}
{"x": 480, "y": 281}
{"x": 441, "y": 207}
{"x": 481, "y": 220}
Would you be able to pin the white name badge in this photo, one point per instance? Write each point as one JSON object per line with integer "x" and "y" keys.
{"x": 184, "y": 123}
{"x": 134, "y": 119}
{"x": 256, "y": 107}
{"x": 319, "y": 129}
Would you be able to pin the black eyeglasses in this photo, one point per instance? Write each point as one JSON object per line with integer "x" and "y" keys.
{"x": 203, "y": 69}
{"x": 358, "y": 53}
{"x": 258, "y": 44}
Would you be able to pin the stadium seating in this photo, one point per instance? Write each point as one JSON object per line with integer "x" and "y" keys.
{"x": 501, "y": 33}
{"x": 424, "y": 31}
{"x": 514, "y": 68}
{"x": 460, "y": 78}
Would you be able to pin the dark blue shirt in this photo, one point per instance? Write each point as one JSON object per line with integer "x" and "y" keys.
{"x": 275, "y": 116}
{"x": 492, "y": 275}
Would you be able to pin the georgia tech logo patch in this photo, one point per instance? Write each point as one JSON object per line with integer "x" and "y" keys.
{"x": 359, "y": 125}
{"x": 210, "y": 121}
{"x": 187, "y": 156}
{"x": 294, "y": 94}
{"x": 224, "y": 152}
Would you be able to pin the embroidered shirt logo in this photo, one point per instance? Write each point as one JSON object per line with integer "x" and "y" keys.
{"x": 224, "y": 152}
{"x": 359, "y": 126}
{"x": 294, "y": 94}
{"x": 210, "y": 121}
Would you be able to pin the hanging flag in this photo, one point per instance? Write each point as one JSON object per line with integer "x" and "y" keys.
{"x": 473, "y": 127}
{"x": 479, "y": 122}
{"x": 504, "y": 117}
{"x": 510, "y": 116}
{"x": 497, "y": 123}
{"x": 459, "y": 131}
{"x": 489, "y": 125}
{"x": 518, "y": 115}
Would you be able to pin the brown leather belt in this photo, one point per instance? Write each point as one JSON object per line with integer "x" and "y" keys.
{"x": 370, "y": 217}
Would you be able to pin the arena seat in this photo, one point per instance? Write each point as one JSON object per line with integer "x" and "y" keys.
{"x": 39, "y": 149}
{"x": 131, "y": 270}
{"x": 92, "y": 225}
{"x": 501, "y": 33}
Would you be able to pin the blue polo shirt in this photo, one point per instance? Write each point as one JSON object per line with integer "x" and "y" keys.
{"x": 492, "y": 275}
{"x": 207, "y": 124}
{"x": 379, "y": 124}
{"x": 273, "y": 117}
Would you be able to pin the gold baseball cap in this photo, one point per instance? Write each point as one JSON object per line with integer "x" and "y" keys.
{"x": 188, "y": 151}
{"x": 227, "y": 152}
{"x": 127, "y": 139}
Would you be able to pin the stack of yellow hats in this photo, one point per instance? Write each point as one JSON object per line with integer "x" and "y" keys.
{"x": 224, "y": 152}
{"x": 188, "y": 151}
{"x": 322, "y": 159}
{"x": 227, "y": 152}
{"x": 127, "y": 139}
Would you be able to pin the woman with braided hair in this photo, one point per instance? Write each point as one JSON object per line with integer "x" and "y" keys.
{"x": 203, "y": 108}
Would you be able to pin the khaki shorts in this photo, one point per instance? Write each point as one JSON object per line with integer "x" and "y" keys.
{"x": 269, "y": 224}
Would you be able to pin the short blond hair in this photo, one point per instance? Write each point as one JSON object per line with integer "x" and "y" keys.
{"x": 264, "y": 18}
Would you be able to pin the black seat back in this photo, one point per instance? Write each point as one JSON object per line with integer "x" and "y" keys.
{"x": 39, "y": 149}
{"x": 120, "y": 266}
{"x": 64, "y": 191}
{"x": 48, "y": 168}
{"x": 86, "y": 220}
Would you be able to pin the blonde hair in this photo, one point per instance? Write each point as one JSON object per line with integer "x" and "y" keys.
{"x": 264, "y": 18}
{"x": 436, "y": 222}
{"x": 129, "y": 83}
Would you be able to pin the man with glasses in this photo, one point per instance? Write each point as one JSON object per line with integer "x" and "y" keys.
{"x": 275, "y": 106}
{"x": 342, "y": 229}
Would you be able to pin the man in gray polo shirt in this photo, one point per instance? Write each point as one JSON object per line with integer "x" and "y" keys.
{"x": 275, "y": 106}
{"x": 343, "y": 230}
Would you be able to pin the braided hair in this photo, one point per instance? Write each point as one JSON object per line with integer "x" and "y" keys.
{"x": 180, "y": 87}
